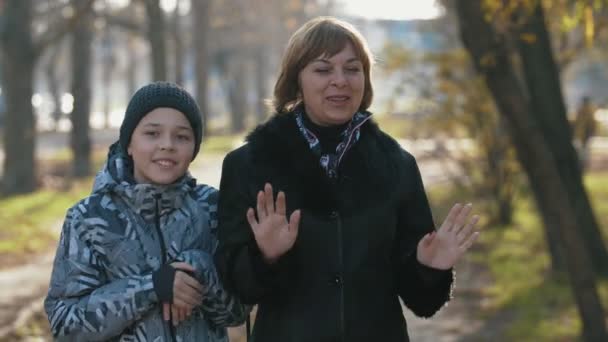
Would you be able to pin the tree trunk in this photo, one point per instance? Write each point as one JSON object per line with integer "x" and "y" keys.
{"x": 201, "y": 58}
{"x": 131, "y": 72}
{"x": 491, "y": 58}
{"x": 107, "y": 64}
{"x": 17, "y": 77}
{"x": 81, "y": 90}
{"x": 178, "y": 45}
{"x": 501, "y": 182}
{"x": 544, "y": 86}
{"x": 53, "y": 84}
{"x": 261, "y": 74}
{"x": 156, "y": 37}
{"x": 237, "y": 93}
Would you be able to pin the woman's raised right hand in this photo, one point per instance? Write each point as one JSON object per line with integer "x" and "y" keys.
{"x": 274, "y": 234}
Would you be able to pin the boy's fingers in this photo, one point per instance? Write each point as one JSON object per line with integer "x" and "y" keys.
{"x": 174, "y": 314}
{"x": 187, "y": 285}
{"x": 184, "y": 302}
{"x": 166, "y": 311}
{"x": 182, "y": 266}
{"x": 191, "y": 282}
{"x": 181, "y": 316}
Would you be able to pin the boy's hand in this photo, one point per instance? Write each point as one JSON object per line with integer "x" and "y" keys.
{"x": 173, "y": 313}
{"x": 187, "y": 294}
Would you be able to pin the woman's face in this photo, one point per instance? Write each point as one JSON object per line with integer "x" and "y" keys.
{"x": 161, "y": 146}
{"x": 332, "y": 87}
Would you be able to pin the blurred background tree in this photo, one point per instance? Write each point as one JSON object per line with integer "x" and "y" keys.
{"x": 511, "y": 48}
{"x": 22, "y": 45}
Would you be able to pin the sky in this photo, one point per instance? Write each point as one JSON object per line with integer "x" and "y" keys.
{"x": 370, "y": 9}
{"x": 391, "y": 9}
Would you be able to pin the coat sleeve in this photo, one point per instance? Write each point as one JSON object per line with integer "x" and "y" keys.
{"x": 424, "y": 290}
{"x": 82, "y": 305}
{"x": 221, "y": 307}
{"x": 239, "y": 259}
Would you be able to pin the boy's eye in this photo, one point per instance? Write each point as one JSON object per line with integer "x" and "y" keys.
{"x": 322, "y": 71}
{"x": 183, "y": 137}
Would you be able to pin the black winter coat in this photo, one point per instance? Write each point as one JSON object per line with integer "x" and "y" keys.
{"x": 355, "y": 254}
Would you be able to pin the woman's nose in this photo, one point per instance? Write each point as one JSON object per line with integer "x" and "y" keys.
{"x": 339, "y": 79}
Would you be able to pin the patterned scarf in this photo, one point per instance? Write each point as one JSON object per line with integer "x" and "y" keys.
{"x": 350, "y": 136}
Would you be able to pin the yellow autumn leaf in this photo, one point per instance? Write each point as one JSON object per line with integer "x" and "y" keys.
{"x": 529, "y": 38}
{"x": 488, "y": 60}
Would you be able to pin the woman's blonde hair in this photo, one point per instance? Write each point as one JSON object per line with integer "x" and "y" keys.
{"x": 322, "y": 36}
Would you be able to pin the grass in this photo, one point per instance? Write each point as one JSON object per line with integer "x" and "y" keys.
{"x": 221, "y": 144}
{"x": 26, "y": 218}
{"x": 542, "y": 307}
{"x": 31, "y": 221}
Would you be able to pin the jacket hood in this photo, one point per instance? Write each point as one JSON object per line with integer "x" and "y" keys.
{"x": 116, "y": 178}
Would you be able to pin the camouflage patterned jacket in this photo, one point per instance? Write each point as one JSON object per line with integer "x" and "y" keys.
{"x": 101, "y": 286}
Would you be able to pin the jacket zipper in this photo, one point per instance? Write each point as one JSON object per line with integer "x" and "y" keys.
{"x": 341, "y": 266}
{"x": 163, "y": 255}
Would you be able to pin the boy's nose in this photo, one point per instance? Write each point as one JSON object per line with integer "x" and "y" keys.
{"x": 166, "y": 144}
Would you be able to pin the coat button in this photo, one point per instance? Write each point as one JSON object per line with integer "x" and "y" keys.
{"x": 334, "y": 215}
{"x": 336, "y": 280}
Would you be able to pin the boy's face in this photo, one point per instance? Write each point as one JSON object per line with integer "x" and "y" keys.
{"x": 161, "y": 146}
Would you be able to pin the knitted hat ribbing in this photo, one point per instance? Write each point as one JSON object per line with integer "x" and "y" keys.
{"x": 156, "y": 95}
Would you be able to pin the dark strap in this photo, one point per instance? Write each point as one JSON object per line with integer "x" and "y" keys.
{"x": 248, "y": 327}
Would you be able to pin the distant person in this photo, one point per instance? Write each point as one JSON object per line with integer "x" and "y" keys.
{"x": 585, "y": 127}
{"x": 323, "y": 218}
{"x": 135, "y": 258}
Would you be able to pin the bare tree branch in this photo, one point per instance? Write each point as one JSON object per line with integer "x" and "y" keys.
{"x": 122, "y": 22}
{"x": 56, "y": 33}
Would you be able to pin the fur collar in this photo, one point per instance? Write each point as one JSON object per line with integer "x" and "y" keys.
{"x": 365, "y": 174}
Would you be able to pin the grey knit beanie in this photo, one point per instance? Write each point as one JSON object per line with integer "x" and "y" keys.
{"x": 156, "y": 95}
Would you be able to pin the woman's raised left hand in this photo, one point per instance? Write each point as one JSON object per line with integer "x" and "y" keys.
{"x": 443, "y": 248}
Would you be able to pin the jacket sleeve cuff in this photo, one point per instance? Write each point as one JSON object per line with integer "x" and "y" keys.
{"x": 163, "y": 280}
{"x": 430, "y": 275}
{"x": 267, "y": 271}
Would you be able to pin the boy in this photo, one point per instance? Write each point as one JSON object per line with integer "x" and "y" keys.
{"x": 135, "y": 258}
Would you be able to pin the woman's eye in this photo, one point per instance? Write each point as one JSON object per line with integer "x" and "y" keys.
{"x": 322, "y": 71}
{"x": 353, "y": 69}
{"x": 183, "y": 137}
{"x": 151, "y": 133}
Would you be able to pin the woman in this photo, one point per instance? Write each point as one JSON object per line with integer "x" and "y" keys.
{"x": 135, "y": 258}
{"x": 324, "y": 221}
